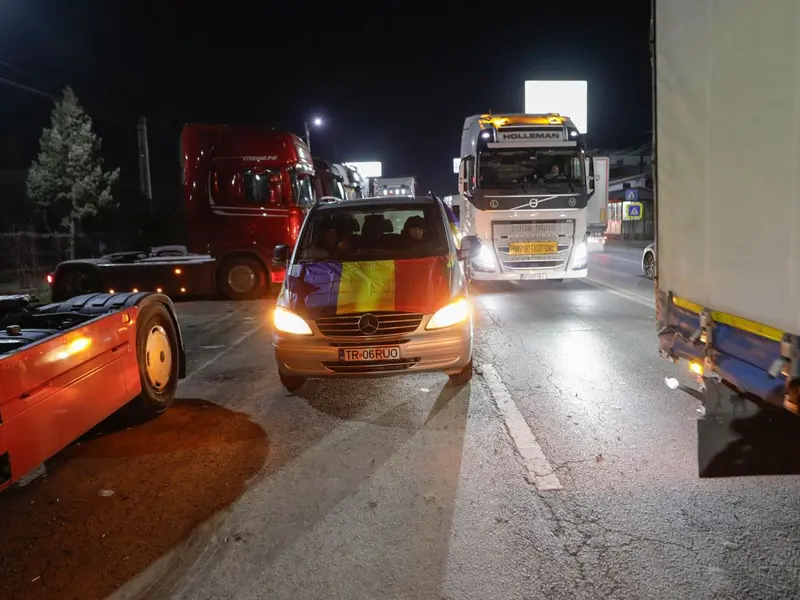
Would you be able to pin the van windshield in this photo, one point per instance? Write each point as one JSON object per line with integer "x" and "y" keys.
{"x": 374, "y": 232}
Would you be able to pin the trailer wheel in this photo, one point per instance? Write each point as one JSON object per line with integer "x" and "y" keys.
{"x": 242, "y": 278}
{"x": 158, "y": 358}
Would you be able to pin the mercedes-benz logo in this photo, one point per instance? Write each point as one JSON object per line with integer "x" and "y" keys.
{"x": 572, "y": 201}
{"x": 368, "y": 324}
{"x": 534, "y": 202}
{"x": 494, "y": 203}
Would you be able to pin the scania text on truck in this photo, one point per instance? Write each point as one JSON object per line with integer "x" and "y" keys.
{"x": 727, "y": 189}
{"x": 395, "y": 186}
{"x": 524, "y": 193}
{"x": 246, "y": 189}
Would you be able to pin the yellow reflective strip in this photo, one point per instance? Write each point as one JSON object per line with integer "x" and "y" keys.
{"x": 686, "y": 304}
{"x": 726, "y": 319}
{"x": 366, "y": 287}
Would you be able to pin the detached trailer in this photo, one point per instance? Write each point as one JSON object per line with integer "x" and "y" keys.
{"x": 727, "y": 176}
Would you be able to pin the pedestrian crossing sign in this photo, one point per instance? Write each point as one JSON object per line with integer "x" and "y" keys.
{"x": 633, "y": 211}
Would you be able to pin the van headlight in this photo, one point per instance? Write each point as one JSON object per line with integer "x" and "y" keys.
{"x": 452, "y": 314}
{"x": 286, "y": 321}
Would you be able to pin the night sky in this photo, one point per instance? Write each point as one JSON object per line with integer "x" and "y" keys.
{"x": 393, "y": 80}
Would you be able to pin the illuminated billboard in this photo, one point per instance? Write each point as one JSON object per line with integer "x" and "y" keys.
{"x": 456, "y": 163}
{"x": 567, "y": 98}
{"x": 368, "y": 169}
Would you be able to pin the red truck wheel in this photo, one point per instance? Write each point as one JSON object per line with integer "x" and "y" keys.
{"x": 242, "y": 278}
{"x": 158, "y": 357}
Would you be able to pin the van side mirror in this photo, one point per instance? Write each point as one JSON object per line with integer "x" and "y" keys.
{"x": 280, "y": 255}
{"x": 470, "y": 247}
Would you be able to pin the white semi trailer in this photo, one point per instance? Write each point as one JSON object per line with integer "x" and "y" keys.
{"x": 727, "y": 196}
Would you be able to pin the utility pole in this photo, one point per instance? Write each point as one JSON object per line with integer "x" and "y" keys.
{"x": 316, "y": 122}
{"x": 144, "y": 162}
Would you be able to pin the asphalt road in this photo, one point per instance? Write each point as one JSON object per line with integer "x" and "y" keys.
{"x": 566, "y": 469}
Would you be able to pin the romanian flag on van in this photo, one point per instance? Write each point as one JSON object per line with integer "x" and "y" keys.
{"x": 331, "y": 288}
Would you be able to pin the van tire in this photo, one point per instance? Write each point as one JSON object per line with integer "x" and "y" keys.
{"x": 291, "y": 382}
{"x": 463, "y": 376}
{"x": 242, "y": 278}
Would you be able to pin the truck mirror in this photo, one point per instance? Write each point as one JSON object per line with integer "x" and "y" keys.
{"x": 280, "y": 255}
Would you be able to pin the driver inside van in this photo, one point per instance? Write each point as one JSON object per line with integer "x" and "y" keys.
{"x": 326, "y": 245}
{"x": 414, "y": 229}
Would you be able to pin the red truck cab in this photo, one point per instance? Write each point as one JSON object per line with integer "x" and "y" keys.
{"x": 246, "y": 189}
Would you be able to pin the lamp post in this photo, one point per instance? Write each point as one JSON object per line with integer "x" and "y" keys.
{"x": 315, "y": 122}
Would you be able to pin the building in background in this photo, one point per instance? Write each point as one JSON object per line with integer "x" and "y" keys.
{"x": 630, "y": 193}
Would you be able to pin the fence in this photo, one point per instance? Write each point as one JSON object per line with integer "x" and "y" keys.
{"x": 27, "y": 257}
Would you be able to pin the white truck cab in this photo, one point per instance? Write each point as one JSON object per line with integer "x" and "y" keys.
{"x": 524, "y": 190}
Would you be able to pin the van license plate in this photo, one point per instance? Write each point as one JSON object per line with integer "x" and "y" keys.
{"x": 369, "y": 354}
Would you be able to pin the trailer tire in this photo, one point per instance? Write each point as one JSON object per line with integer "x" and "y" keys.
{"x": 158, "y": 359}
{"x": 242, "y": 278}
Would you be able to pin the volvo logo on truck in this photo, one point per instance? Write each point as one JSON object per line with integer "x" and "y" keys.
{"x": 529, "y": 135}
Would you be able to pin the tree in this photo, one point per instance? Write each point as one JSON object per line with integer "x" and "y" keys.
{"x": 67, "y": 179}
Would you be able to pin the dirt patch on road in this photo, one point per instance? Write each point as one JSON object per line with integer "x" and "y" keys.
{"x": 111, "y": 505}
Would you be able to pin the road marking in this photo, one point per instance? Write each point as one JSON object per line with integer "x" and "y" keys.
{"x": 623, "y": 293}
{"x": 539, "y": 469}
{"x": 613, "y": 256}
{"x": 204, "y": 365}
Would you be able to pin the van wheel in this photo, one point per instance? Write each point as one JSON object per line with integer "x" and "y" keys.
{"x": 463, "y": 376}
{"x": 158, "y": 357}
{"x": 291, "y": 382}
{"x": 242, "y": 278}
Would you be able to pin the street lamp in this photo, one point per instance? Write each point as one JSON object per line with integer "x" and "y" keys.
{"x": 316, "y": 122}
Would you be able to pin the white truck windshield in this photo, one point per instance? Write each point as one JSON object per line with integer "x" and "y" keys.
{"x": 530, "y": 168}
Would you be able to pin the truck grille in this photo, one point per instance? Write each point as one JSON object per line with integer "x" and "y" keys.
{"x": 389, "y": 323}
{"x": 506, "y": 232}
